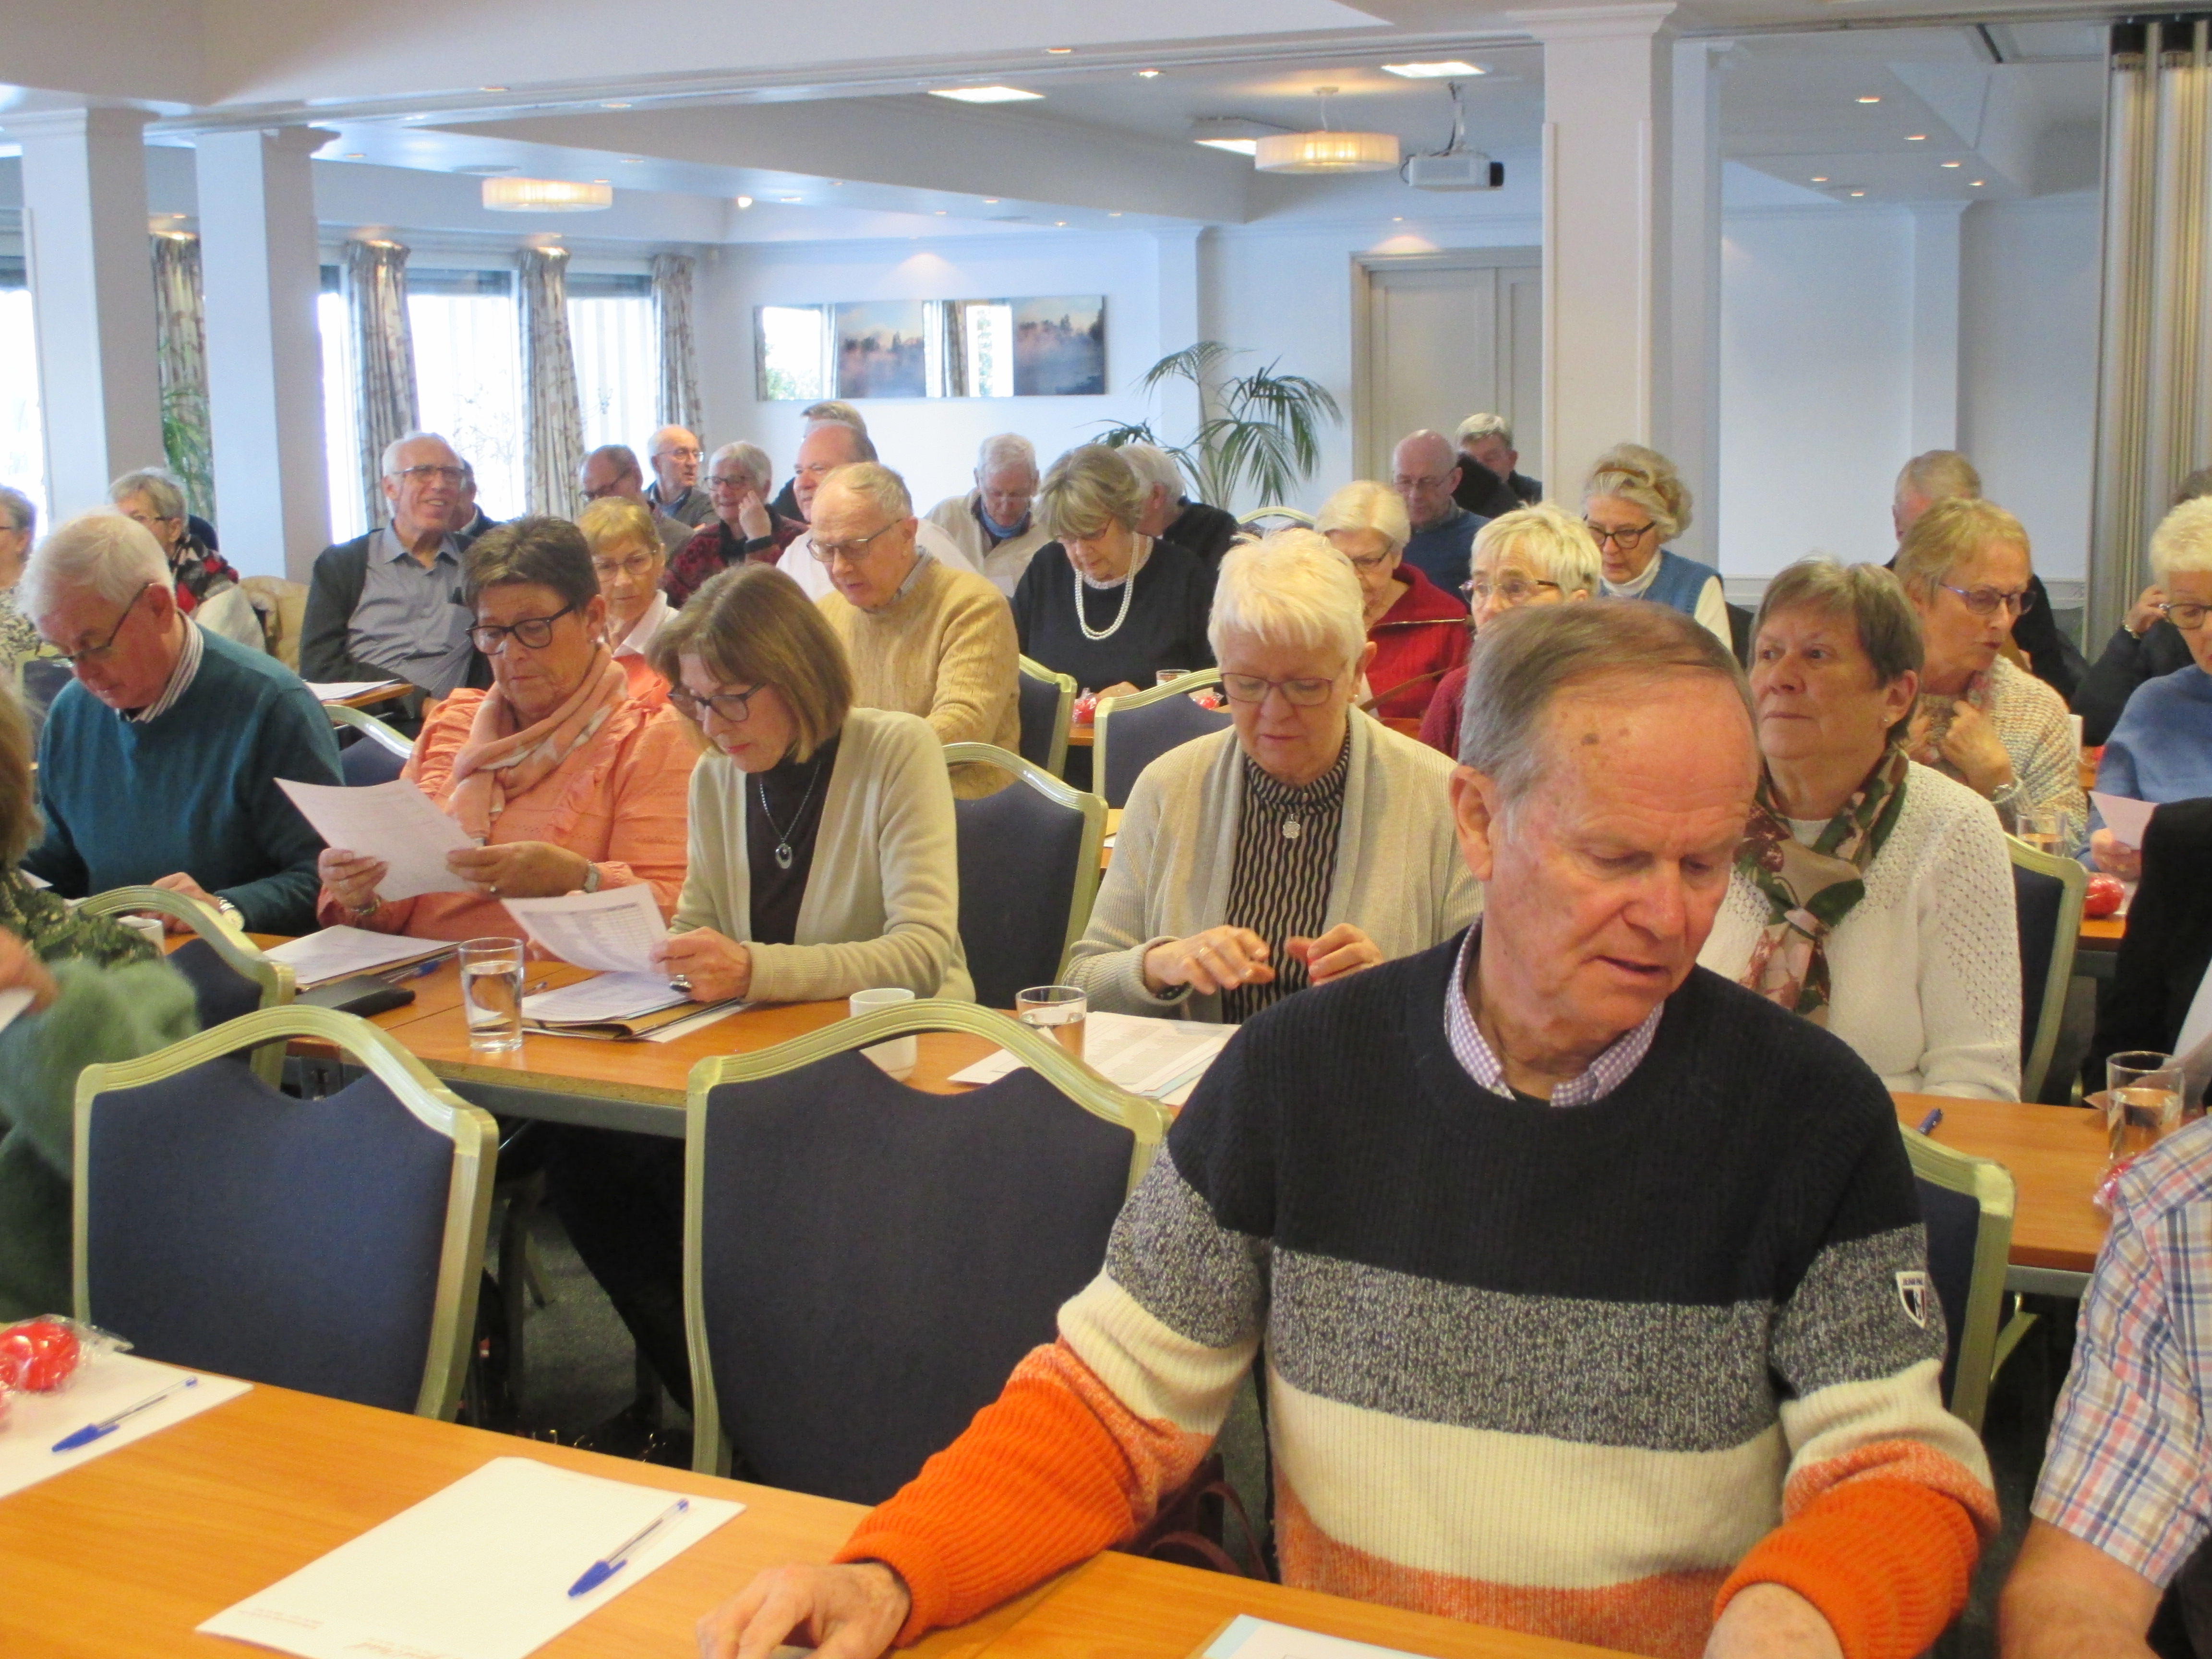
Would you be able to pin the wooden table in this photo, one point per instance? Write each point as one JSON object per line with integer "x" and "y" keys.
{"x": 1081, "y": 736}
{"x": 370, "y": 698}
{"x": 2102, "y": 932}
{"x": 120, "y": 1557}
{"x": 2057, "y": 1154}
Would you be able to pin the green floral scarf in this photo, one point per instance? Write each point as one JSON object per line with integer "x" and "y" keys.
{"x": 1810, "y": 890}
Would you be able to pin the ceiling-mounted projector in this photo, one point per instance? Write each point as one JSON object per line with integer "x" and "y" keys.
{"x": 1466, "y": 170}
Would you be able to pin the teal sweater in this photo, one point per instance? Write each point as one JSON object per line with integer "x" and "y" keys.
{"x": 194, "y": 791}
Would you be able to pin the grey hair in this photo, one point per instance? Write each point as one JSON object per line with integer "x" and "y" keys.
{"x": 1633, "y": 473}
{"x": 1558, "y": 546}
{"x": 1864, "y": 595}
{"x": 751, "y": 456}
{"x": 2183, "y": 540}
{"x": 113, "y": 556}
{"x": 1364, "y": 504}
{"x": 842, "y": 414}
{"x": 1155, "y": 469}
{"x": 623, "y": 458}
{"x": 1088, "y": 488}
{"x": 389, "y": 467}
{"x": 864, "y": 448}
{"x": 22, "y": 515}
{"x": 2197, "y": 483}
{"x": 1939, "y": 475}
{"x": 1291, "y": 588}
{"x": 878, "y": 483}
{"x": 1520, "y": 664}
{"x": 1475, "y": 427}
{"x": 654, "y": 446}
{"x": 1006, "y": 449}
{"x": 161, "y": 489}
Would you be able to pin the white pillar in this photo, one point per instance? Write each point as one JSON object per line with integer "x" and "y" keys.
{"x": 92, "y": 288}
{"x": 260, "y": 268}
{"x": 1936, "y": 325}
{"x": 1608, "y": 182}
{"x": 1689, "y": 426}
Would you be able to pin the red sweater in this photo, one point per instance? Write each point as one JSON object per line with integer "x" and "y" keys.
{"x": 1419, "y": 640}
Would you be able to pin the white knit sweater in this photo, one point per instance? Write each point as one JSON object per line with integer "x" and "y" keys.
{"x": 1925, "y": 969}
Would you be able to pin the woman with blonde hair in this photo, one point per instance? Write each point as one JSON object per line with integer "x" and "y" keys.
{"x": 629, "y": 558}
{"x": 1418, "y": 631}
{"x": 1635, "y": 503}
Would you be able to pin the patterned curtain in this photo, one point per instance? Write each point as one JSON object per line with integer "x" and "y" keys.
{"x": 679, "y": 351}
{"x": 374, "y": 278}
{"x": 181, "y": 325}
{"x": 553, "y": 415}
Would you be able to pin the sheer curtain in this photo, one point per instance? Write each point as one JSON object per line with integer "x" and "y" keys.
{"x": 679, "y": 351}
{"x": 374, "y": 280}
{"x": 180, "y": 343}
{"x": 553, "y": 417}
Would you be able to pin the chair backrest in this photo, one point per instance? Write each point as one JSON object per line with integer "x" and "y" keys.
{"x": 864, "y": 1264}
{"x": 1029, "y": 870}
{"x": 332, "y": 1246}
{"x": 1145, "y": 725}
{"x": 1740, "y": 621}
{"x": 2047, "y": 893}
{"x": 1255, "y": 520}
{"x": 377, "y": 752}
{"x": 229, "y": 975}
{"x": 1967, "y": 1203}
{"x": 283, "y": 608}
{"x": 41, "y": 680}
{"x": 1047, "y": 702}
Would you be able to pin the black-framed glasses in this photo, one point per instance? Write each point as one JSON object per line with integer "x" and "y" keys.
{"x": 829, "y": 552}
{"x": 1988, "y": 601}
{"x": 532, "y": 633}
{"x": 1513, "y": 590}
{"x": 731, "y": 708}
{"x": 99, "y": 653}
{"x": 2183, "y": 614}
{"x": 1626, "y": 537}
{"x": 1299, "y": 694}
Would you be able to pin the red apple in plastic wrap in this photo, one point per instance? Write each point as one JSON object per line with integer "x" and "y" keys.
{"x": 2103, "y": 897}
{"x": 37, "y": 1355}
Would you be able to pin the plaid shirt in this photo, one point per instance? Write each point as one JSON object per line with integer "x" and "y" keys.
{"x": 2128, "y": 1470}
{"x": 1473, "y": 1051}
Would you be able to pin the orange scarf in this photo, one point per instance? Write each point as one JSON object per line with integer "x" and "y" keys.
{"x": 498, "y": 761}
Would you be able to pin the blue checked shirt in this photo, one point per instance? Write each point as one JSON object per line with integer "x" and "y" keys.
{"x": 1473, "y": 1051}
{"x": 2128, "y": 1469}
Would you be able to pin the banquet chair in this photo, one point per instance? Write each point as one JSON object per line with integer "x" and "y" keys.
{"x": 229, "y": 975}
{"x": 377, "y": 752}
{"x": 1029, "y": 870}
{"x": 1048, "y": 704}
{"x": 864, "y": 1263}
{"x": 333, "y": 1246}
{"x": 1967, "y": 1203}
{"x": 2047, "y": 892}
{"x": 1144, "y": 725}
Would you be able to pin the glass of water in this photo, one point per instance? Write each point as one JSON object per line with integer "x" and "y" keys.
{"x": 2143, "y": 1100}
{"x": 2041, "y": 831}
{"x": 491, "y": 992}
{"x": 1060, "y": 1010}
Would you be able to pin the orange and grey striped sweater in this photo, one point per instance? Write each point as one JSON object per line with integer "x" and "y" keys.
{"x": 1580, "y": 1371}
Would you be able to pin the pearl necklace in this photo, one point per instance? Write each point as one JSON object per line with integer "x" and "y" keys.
{"x": 1127, "y": 585}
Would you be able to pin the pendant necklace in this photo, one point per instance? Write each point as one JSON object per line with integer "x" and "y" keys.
{"x": 1128, "y": 591}
{"x": 783, "y": 854}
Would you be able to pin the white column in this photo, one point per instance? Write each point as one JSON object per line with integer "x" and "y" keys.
{"x": 260, "y": 271}
{"x": 1936, "y": 325}
{"x": 1688, "y": 428}
{"x": 92, "y": 287}
{"x": 1607, "y": 183}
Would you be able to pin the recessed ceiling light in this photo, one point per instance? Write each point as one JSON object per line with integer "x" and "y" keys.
{"x": 1858, "y": 193}
{"x": 1399, "y": 220}
{"x": 632, "y": 161}
{"x": 990, "y": 201}
{"x": 1234, "y": 145}
{"x": 1915, "y": 137}
{"x": 744, "y": 201}
{"x": 1819, "y": 178}
{"x": 1870, "y": 100}
{"x": 603, "y": 181}
{"x": 1149, "y": 74}
{"x": 491, "y": 88}
{"x": 788, "y": 199}
{"x": 352, "y": 156}
{"x": 1977, "y": 183}
{"x": 1434, "y": 71}
{"x": 1954, "y": 164}
{"x": 983, "y": 95}
{"x": 940, "y": 213}
{"x": 1062, "y": 223}
{"x": 1116, "y": 214}
{"x": 615, "y": 103}
{"x": 1059, "y": 52}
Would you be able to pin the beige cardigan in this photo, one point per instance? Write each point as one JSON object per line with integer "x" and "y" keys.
{"x": 1399, "y": 874}
{"x": 883, "y": 899}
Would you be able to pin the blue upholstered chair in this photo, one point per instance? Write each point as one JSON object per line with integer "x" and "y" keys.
{"x": 1144, "y": 726}
{"x": 332, "y": 1246}
{"x": 2047, "y": 893}
{"x": 377, "y": 752}
{"x": 864, "y": 1263}
{"x": 1048, "y": 704}
{"x": 229, "y": 975}
{"x": 1967, "y": 1203}
{"x": 1029, "y": 870}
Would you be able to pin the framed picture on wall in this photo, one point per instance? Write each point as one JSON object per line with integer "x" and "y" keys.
{"x": 882, "y": 349}
{"x": 1060, "y": 347}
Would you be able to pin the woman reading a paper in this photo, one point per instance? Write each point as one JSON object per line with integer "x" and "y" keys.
{"x": 566, "y": 782}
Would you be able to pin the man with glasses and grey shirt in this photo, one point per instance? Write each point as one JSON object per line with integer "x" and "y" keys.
{"x": 674, "y": 453}
{"x": 387, "y": 606}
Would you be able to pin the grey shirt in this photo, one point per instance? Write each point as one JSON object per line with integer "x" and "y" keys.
{"x": 410, "y": 620}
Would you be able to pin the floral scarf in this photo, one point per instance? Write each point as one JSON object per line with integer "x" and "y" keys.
{"x": 498, "y": 761}
{"x": 1809, "y": 890}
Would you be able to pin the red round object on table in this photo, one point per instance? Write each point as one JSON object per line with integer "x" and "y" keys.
{"x": 2102, "y": 897}
{"x": 37, "y": 1355}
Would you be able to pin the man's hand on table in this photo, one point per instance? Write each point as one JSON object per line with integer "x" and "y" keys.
{"x": 852, "y": 1612}
{"x": 1770, "y": 1621}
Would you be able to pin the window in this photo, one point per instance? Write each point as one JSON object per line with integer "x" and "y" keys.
{"x": 617, "y": 351}
{"x": 22, "y": 438}
{"x": 350, "y": 514}
{"x": 468, "y": 375}
{"x": 794, "y": 352}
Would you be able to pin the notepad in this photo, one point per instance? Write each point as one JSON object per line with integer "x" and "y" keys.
{"x": 613, "y": 1006}
{"x": 337, "y": 953}
{"x": 395, "y": 822}
{"x": 1163, "y": 1059}
{"x": 479, "y": 1571}
{"x": 103, "y": 1386}
{"x": 1247, "y": 1638}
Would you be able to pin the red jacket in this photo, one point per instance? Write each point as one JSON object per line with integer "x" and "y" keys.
{"x": 1420, "y": 639}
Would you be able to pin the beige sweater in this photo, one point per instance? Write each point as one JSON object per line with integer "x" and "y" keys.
{"x": 946, "y": 650}
{"x": 1002, "y": 565}
{"x": 883, "y": 899}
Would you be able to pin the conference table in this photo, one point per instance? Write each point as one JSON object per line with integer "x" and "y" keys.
{"x": 2056, "y": 1155}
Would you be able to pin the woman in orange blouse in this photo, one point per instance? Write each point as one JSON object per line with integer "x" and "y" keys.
{"x": 566, "y": 780}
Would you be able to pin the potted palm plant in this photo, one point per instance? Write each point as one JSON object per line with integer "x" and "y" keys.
{"x": 1265, "y": 434}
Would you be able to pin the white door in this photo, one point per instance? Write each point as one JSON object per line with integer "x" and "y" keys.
{"x": 1443, "y": 336}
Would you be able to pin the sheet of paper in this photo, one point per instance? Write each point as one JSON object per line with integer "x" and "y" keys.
{"x": 1161, "y": 1058}
{"x": 480, "y": 1570}
{"x": 337, "y": 952}
{"x": 104, "y": 1386}
{"x": 394, "y": 822}
{"x": 339, "y": 690}
{"x": 1248, "y": 1637}
{"x": 698, "y": 1022}
{"x": 2124, "y": 816}
{"x": 12, "y": 1003}
{"x": 606, "y": 996}
{"x": 613, "y": 930}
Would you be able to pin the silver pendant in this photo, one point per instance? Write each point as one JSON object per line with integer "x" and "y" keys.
{"x": 1292, "y": 828}
{"x": 783, "y": 855}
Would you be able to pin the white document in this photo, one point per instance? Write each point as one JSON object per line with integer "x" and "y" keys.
{"x": 1248, "y": 1637}
{"x": 338, "y": 952}
{"x": 101, "y": 1388}
{"x": 607, "y": 996}
{"x": 2127, "y": 817}
{"x": 613, "y": 930}
{"x": 698, "y": 1022}
{"x": 480, "y": 1570}
{"x": 339, "y": 690}
{"x": 1163, "y": 1059}
{"x": 395, "y": 822}
{"x": 12, "y": 1003}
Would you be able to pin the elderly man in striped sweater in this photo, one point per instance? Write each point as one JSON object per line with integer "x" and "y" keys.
{"x": 1592, "y": 1287}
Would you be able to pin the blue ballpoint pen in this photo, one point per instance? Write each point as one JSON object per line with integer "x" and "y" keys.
{"x": 92, "y": 1431}
{"x": 618, "y": 1557}
{"x": 1928, "y": 1124}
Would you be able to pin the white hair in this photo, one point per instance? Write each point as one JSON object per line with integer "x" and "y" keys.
{"x": 1292, "y": 588}
{"x": 1475, "y": 427}
{"x": 874, "y": 481}
{"x": 654, "y": 446}
{"x": 19, "y": 508}
{"x": 1004, "y": 450}
{"x": 1558, "y": 547}
{"x": 751, "y": 456}
{"x": 2183, "y": 540}
{"x": 390, "y": 468}
{"x": 100, "y": 551}
{"x": 1364, "y": 504}
{"x": 163, "y": 493}
{"x": 1155, "y": 469}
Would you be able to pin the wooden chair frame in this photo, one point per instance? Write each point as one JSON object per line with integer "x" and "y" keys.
{"x": 1990, "y": 1184}
{"x": 373, "y": 728}
{"x": 468, "y": 1201}
{"x": 1183, "y": 686}
{"x": 1060, "y": 793}
{"x": 1056, "y": 759}
{"x": 1145, "y": 1119}
{"x": 2075, "y": 880}
{"x": 238, "y": 954}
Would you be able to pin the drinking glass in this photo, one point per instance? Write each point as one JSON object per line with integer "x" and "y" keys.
{"x": 2143, "y": 1100}
{"x": 1165, "y": 675}
{"x": 899, "y": 1055}
{"x": 2043, "y": 831}
{"x": 1059, "y": 1009}
{"x": 491, "y": 992}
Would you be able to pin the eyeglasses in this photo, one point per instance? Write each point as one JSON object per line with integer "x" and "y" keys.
{"x": 1623, "y": 538}
{"x": 830, "y": 552}
{"x": 638, "y": 564}
{"x": 1299, "y": 694}
{"x": 92, "y": 653}
{"x": 676, "y": 454}
{"x": 424, "y": 475}
{"x": 1368, "y": 566}
{"x": 1988, "y": 601}
{"x": 1430, "y": 481}
{"x": 731, "y": 708}
{"x": 534, "y": 633}
{"x": 731, "y": 481}
{"x": 1511, "y": 589}
{"x": 2182, "y": 614}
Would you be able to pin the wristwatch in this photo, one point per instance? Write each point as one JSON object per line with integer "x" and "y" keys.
{"x": 590, "y": 876}
{"x": 229, "y": 912}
